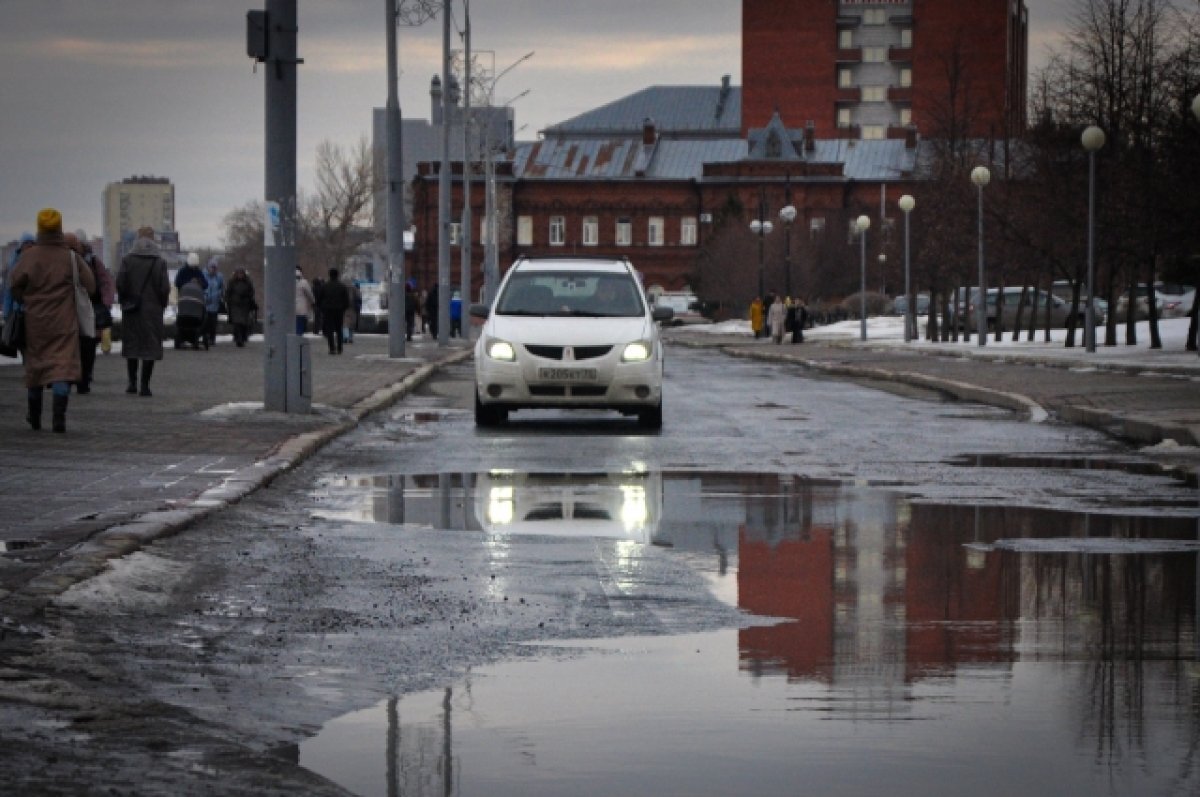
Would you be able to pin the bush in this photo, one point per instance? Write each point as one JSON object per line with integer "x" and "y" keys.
{"x": 877, "y": 304}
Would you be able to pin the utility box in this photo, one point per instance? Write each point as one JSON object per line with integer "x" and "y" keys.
{"x": 299, "y": 374}
{"x": 256, "y": 35}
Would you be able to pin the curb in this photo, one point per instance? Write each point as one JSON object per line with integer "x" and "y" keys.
{"x": 89, "y": 558}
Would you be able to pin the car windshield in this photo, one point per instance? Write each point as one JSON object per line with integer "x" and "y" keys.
{"x": 571, "y": 293}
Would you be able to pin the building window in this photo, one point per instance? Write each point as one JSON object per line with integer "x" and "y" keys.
{"x": 591, "y": 231}
{"x": 874, "y": 94}
{"x": 455, "y": 233}
{"x": 624, "y": 232}
{"x": 687, "y": 231}
{"x": 845, "y": 39}
{"x": 906, "y": 38}
{"x": 874, "y": 132}
{"x": 816, "y": 226}
{"x": 906, "y": 78}
{"x": 874, "y": 55}
{"x": 905, "y": 117}
{"x": 845, "y": 79}
{"x": 558, "y": 230}
{"x": 524, "y": 230}
{"x": 843, "y": 117}
{"x": 875, "y": 16}
{"x": 655, "y": 231}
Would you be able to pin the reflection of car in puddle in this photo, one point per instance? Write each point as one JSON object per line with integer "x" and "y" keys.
{"x": 623, "y": 506}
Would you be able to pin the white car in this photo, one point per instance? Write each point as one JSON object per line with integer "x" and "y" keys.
{"x": 570, "y": 333}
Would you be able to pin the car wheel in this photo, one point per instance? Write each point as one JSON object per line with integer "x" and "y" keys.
{"x": 651, "y": 418}
{"x": 488, "y": 416}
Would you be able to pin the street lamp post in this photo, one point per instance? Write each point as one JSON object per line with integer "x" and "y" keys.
{"x": 1196, "y": 107}
{"x": 762, "y": 228}
{"x": 980, "y": 176}
{"x": 1093, "y": 140}
{"x": 787, "y": 214}
{"x": 862, "y": 224}
{"x": 907, "y": 203}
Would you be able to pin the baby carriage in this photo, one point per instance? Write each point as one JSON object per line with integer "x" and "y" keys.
{"x": 189, "y": 316}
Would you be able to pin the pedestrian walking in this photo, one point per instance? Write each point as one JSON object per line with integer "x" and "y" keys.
{"x": 456, "y": 315}
{"x": 800, "y": 321}
{"x": 756, "y": 317}
{"x": 26, "y": 241}
{"x": 431, "y": 311}
{"x": 306, "y": 303}
{"x": 87, "y": 343}
{"x": 107, "y": 287}
{"x": 214, "y": 293}
{"x": 190, "y": 271}
{"x": 44, "y": 282}
{"x": 775, "y": 318}
{"x": 353, "y": 312}
{"x": 335, "y": 302}
{"x": 144, "y": 288}
{"x": 239, "y": 299}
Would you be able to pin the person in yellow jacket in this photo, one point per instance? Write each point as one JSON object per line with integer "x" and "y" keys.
{"x": 756, "y": 316}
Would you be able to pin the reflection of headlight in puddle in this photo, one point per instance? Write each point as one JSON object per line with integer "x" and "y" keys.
{"x": 500, "y": 506}
{"x": 634, "y": 513}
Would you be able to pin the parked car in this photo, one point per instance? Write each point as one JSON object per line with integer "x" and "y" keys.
{"x": 574, "y": 333}
{"x": 900, "y": 304}
{"x": 1064, "y": 289}
{"x": 684, "y": 306}
{"x": 1059, "y": 309}
{"x": 1141, "y": 304}
{"x": 1177, "y": 299}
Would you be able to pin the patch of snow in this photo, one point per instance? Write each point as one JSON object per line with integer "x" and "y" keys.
{"x": 1090, "y": 545}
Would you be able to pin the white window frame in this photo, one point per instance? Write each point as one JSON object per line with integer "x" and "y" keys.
{"x": 656, "y": 227}
{"x": 906, "y": 38}
{"x": 875, "y": 55}
{"x": 688, "y": 231}
{"x": 624, "y": 232}
{"x": 874, "y": 94}
{"x": 524, "y": 230}
{"x": 845, "y": 39}
{"x": 845, "y": 78}
{"x": 874, "y": 132}
{"x": 906, "y": 77}
{"x": 905, "y": 117}
{"x": 844, "y": 119}
{"x": 874, "y": 16}
{"x": 816, "y": 226}
{"x": 591, "y": 231}
{"x": 455, "y": 233}
{"x": 558, "y": 230}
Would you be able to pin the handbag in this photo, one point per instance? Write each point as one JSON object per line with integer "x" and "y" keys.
{"x": 83, "y": 303}
{"x": 12, "y": 337}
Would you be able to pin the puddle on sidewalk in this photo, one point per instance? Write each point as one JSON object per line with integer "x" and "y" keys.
{"x": 917, "y": 649}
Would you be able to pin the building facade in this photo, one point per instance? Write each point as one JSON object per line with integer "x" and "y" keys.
{"x": 870, "y": 68}
{"x": 133, "y": 203}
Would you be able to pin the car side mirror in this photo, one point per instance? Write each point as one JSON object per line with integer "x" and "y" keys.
{"x": 662, "y": 313}
{"x": 478, "y": 311}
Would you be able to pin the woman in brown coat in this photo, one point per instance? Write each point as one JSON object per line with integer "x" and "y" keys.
{"x": 44, "y": 282}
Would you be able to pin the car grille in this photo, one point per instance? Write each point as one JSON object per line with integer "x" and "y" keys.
{"x": 560, "y": 391}
{"x": 581, "y": 352}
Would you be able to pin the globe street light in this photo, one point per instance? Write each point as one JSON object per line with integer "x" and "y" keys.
{"x": 980, "y": 176}
{"x": 861, "y": 225}
{"x": 907, "y": 203}
{"x": 762, "y": 228}
{"x": 1093, "y": 140}
{"x": 787, "y": 214}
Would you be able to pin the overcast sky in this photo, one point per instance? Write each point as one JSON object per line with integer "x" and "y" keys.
{"x": 95, "y": 91}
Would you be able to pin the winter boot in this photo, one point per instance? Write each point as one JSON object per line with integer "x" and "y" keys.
{"x": 35, "y": 409}
{"x": 131, "y": 370}
{"x": 147, "y": 369}
{"x": 59, "y": 416}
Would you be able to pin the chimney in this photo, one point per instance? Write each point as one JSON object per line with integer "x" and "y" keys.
{"x": 435, "y": 99}
{"x": 649, "y": 132}
{"x": 910, "y": 137}
{"x": 810, "y": 136}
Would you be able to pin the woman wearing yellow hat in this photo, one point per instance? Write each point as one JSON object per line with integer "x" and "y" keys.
{"x": 44, "y": 282}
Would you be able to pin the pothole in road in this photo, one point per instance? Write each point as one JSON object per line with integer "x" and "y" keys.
{"x": 1070, "y": 631}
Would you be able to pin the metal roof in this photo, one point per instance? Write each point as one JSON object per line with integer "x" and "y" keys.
{"x": 674, "y": 109}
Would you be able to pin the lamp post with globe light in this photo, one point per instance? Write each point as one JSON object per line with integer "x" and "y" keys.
{"x": 861, "y": 225}
{"x": 787, "y": 214}
{"x": 762, "y": 228}
{"x": 1093, "y": 140}
{"x": 980, "y": 176}
{"x": 907, "y": 203}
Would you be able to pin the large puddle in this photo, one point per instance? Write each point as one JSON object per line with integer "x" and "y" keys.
{"x": 916, "y": 649}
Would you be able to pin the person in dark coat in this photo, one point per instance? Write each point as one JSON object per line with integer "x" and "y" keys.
{"x": 239, "y": 298}
{"x": 410, "y": 309}
{"x": 43, "y": 282}
{"x": 87, "y": 345}
{"x": 431, "y": 310}
{"x": 190, "y": 271}
{"x": 143, "y": 277}
{"x": 335, "y": 301}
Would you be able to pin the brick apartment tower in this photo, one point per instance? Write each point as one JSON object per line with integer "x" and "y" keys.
{"x": 870, "y": 68}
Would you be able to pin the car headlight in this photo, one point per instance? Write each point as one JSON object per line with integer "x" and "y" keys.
{"x": 501, "y": 350}
{"x": 636, "y": 352}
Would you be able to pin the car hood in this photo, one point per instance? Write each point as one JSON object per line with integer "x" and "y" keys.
{"x": 568, "y": 331}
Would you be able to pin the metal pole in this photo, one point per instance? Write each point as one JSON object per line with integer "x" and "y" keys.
{"x": 981, "y": 311}
{"x": 1089, "y": 330}
{"x": 397, "y": 325}
{"x": 787, "y": 245}
{"x": 762, "y": 210}
{"x": 280, "y": 245}
{"x": 862, "y": 285}
{"x": 443, "y": 312}
{"x": 467, "y": 164}
{"x": 910, "y": 320}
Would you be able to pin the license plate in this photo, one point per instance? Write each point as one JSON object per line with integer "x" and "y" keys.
{"x": 567, "y": 374}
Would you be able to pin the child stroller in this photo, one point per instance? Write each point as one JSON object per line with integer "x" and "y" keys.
{"x": 189, "y": 316}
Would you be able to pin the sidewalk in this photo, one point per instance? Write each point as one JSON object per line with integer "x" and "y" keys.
{"x": 130, "y": 469}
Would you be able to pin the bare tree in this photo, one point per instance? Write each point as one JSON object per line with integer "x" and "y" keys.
{"x": 337, "y": 217}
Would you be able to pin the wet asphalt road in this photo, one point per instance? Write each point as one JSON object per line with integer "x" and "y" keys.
{"x": 200, "y": 664}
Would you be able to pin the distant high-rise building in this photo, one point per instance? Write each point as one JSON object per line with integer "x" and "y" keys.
{"x": 871, "y": 68}
{"x": 133, "y": 203}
